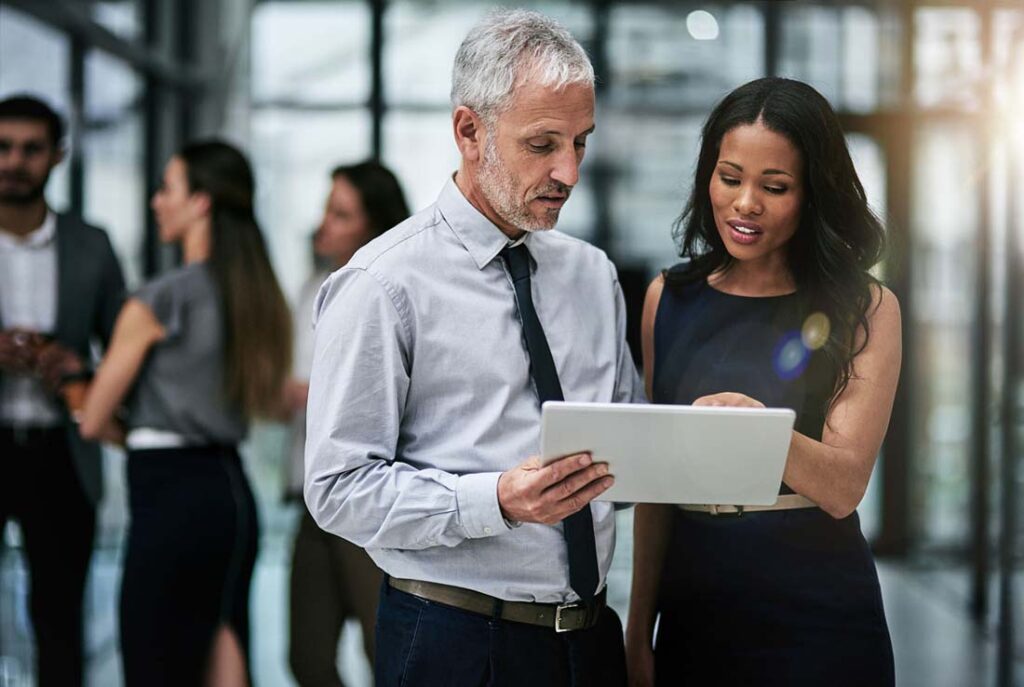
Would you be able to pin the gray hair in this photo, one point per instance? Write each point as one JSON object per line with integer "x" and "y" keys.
{"x": 505, "y": 48}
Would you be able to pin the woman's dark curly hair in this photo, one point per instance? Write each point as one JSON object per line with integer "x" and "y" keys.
{"x": 839, "y": 238}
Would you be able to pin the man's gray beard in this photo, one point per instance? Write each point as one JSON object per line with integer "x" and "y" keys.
{"x": 499, "y": 188}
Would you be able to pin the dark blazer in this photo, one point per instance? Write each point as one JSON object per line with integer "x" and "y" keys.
{"x": 90, "y": 292}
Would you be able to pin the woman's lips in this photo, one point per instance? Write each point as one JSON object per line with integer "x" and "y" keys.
{"x": 743, "y": 232}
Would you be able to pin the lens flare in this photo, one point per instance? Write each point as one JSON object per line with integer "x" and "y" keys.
{"x": 702, "y": 25}
{"x": 791, "y": 356}
{"x": 815, "y": 331}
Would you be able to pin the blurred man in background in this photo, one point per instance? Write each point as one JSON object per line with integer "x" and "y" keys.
{"x": 60, "y": 291}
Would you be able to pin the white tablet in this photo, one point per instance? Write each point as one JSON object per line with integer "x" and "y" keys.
{"x": 675, "y": 453}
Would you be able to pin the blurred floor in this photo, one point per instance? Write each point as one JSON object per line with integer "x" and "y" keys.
{"x": 934, "y": 642}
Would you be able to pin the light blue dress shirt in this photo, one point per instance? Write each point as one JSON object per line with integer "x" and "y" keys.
{"x": 420, "y": 397}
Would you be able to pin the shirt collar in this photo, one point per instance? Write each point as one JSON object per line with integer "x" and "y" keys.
{"x": 37, "y": 238}
{"x": 478, "y": 234}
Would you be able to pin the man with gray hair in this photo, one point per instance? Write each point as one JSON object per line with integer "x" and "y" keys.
{"x": 434, "y": 349}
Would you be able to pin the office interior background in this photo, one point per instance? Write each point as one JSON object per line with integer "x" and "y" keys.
{"x": 931, "y": 94}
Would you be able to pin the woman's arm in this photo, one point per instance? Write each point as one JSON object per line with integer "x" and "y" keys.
{"x": 652, "y": 527}
{"x": 834, "y": 472}
{"x": 135, "y": 331}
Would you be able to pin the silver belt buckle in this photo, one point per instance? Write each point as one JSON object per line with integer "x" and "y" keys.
{"x": 558, "y": 616}
{"x": 716, "y": 510}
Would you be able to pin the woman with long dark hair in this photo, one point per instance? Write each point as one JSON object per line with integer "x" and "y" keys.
{"x": 773, "y": 304}
{"x": 196, "y": 353}
{"x": 332, "y": 579}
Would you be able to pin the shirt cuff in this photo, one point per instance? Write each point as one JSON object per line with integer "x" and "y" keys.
{"x": 477, "y": 499}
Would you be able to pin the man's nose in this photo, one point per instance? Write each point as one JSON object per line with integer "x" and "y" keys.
{"x": 12, "y": 157}
{"x": 567, "y": 168}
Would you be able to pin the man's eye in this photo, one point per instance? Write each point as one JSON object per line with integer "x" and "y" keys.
{"x": 539, "y": 148}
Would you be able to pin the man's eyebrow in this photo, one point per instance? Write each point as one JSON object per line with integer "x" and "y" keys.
{"x": 554, "y": 132}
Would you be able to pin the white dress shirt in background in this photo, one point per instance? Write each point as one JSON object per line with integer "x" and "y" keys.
{"x": 28, "y": 300}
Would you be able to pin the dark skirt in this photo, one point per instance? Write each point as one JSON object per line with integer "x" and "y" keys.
{"x": 191, "y": 550}
{"x": 774, "y": 598}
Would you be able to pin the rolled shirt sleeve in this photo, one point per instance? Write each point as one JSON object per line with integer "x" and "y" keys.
{"x": 355, "y": 485}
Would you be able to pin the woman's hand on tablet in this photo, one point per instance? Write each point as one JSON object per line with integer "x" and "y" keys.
{"x": 729, "y": 399}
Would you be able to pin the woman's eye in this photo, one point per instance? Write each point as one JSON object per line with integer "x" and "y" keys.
{"x": 729, "y": 181}
{"x": 775, "y": 190}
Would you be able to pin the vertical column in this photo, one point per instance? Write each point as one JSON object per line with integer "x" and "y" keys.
{"x": 1010, "y": 415}
{"x": 602, "y": 176}
{"x": 77, "y": 124}
{"x": 894, "y": 537}
{"x": 377, "y": 9}
{"x": 772, "y": 37}
{"x": 980, "y": 365}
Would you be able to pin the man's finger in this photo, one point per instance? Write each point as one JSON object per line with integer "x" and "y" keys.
{"x": 569, "y": 486}
{"x": 563, "y": 467}
{"x": 584, "y": 496}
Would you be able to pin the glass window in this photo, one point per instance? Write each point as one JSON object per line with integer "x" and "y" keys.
{"x": 120, "y": 17}
{"x": 293, "y": 153}
{"x": 860, "y": 64}
{"x": 653, "y": 177}
{"x": 311, "y": 52}
{"x": 812, "y": 39}
{"x": 944, "y": 212}
{"x": 114, "y": 182}
{"x": 421, "y": 39}
{"x": 662, "y": 57}
{"x": 948, "y": 66}
{"x": 837, "y": 50}
{"x": 34, "y": 59}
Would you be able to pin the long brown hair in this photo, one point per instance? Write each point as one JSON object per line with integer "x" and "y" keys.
{"x": 380, "y": 192}
{"x": 257, "y": 323}
{"x": 839, "y": 238}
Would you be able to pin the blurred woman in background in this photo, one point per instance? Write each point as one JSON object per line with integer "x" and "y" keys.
{"x": 332, "y": 579}
{"x": 196, "y": 354}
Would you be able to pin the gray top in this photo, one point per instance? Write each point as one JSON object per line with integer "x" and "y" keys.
{"x": 420, "y": 396}
{"x": 180, "y": 387}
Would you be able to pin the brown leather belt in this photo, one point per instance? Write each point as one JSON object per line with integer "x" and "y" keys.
{"x": 559, "y": 617}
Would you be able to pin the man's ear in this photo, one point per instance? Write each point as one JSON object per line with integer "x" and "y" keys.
{"x": 469, "y": 133}
{"x": 58, "y": 156}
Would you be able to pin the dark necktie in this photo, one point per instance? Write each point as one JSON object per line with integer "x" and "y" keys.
{"x": 578, "y": 528}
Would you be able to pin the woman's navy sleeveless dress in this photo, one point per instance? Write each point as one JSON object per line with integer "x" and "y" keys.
{"x": 768, "y": 598}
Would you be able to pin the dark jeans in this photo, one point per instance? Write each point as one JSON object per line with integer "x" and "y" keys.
{"x": 420, "y": 642}
{"x": 39, "y": 487}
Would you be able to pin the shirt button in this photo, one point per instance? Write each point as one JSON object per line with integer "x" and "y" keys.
{"x": 487, "y": 530}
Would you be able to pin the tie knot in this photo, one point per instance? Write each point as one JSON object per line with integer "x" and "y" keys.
{"x": 518, "y": 260}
